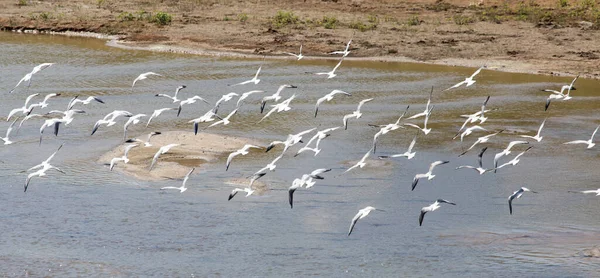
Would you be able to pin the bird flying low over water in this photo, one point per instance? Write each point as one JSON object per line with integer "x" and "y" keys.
{"x": 308, "y": 180}
{"x": 590, "y": 143}
{"x": 328, "y": 97}
{"x": 28, "y": 76}
{"x": 86, "y": 101}
{"x": 274, "y": 97}
{"x": 506, "y": 152}
{"x": 45, "y": 166}
{"x": 174, "y": 97}
{"x": 345, "y": 52}
{"x": 360, "y": 215}
{"x": 596, "y": 191}
{"x": 515, "y": 160}
{"x": 427, "y": 107}
{"x": 560, "y": 95}
{"x": 243, "y": 151}
{"x": 431, "y": 208}
{"x": 299, "y": 55}
{"x": 468, "y": 81}
{"x": 517, "y": 194}
{"x": 356, "y": 114}
{"x": 537, "y": 137}
{"x": 479, "y": 168}
{"x": 123, "y": 158}
{"x": 429, "y": 175}
{"x": 182, "y": 188}
{"x": 147, "y": 142}
{"x": 331, "y": 74}
{"x": 409, "y": 154}
{"x": 142, "y": 77}
{"x": 162, "y": 150}
{"x": 361, "y": 163}
{"x": 254, "y": 80}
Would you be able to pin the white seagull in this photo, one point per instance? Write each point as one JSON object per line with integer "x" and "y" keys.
{"x": 189, "y": 101}
{"x": 468, "y": 81}
{"x": 147, "y": 142}
{"x": 517, "y": 194}
{"x": 174, "y": 97}
{"x": 429, "y": 175}
{"x": 299, "y": 55}
{"x": 243, "y": 151}
{"x": 589, "y": 143}
{"x": 25, "y": 110}
{"x": 468, "y": 132}
{"x": 597, "y": 192}
{"x": 537, "y": 137}
{"x": 270, "y": 167}
{"x": 506, "y": 152}
{"x": 157, "y": 113}
{"x": 27, "y": 77}
{"x": 560, "y": 95}
{"x": 481, "y": 140}
{"x": 123, "y": 158}
{"x": 361, "y": 163}
{"x": 224, "y": 121}
{"x": 234, "y": 192}
{"x": 425, "y": 130}
{"x": 479, "y": 168}
{"x": 320, "y": 135}
{"x": 424, "y": 113}
{"x": 432, "y": 207}
{"x": 408, "y": 154}
{"x": 292, "y": 139}
{"x": 279, "y": 107}
{"x": 254, "y": 80}
{"x": 306, "y": 179}
{"x": 135, "y": 119}
{"x": 246, "y": 95}
{"x": 44, "y": 103}
{"x": 182, "y": 188}
{"x": 331, "y": 74}
{"x": 45, "y": 166}
{"x": 345, "y": 52}
{"x": 86, "y": 101}
{"x": 109, "y": 119}
{"x": 142, "y": 77}
{"x": 10, "y": 128}
{"x": 274, "y": 97}
{"x": 207, "y": 117}
{"x": 356, "y": 114}
{"x": 162, "y": 150}
{"x": 360, "y": 215}
{"x": 328, "y": 97}
{"x": 224, "y": 98}
{"x": 515, "y": 160}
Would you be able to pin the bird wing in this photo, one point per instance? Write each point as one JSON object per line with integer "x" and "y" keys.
{"x": 439, "y": 162}
{"x": 577, "y": 142}
{"x": 187, "y": 176}
{"x": 422, "y": 216}
{"x": 257, "y": 72}
{"x": 412, "y": 144}
{"x": 362, "y": 102}
{"x": 541, "y": 126}
{"x": 10, "y": 128}
{"x": 476, "y": 72}
{"x": 52, "y": 156}
{"x": 594, "y": 133}
{"x": 353, "y": 222}
{"x": 513, "y": 143}
{"x": 480, "y": 157}
{"x": 155, "y": 158}
{"x": 338, "y": 65}
{"x": 229, "y": 158}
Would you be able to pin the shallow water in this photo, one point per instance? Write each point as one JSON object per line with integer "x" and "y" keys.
{"x": 93, "y": 222}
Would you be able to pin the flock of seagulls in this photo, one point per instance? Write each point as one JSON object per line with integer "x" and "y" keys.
{"x": 213, "y": 117}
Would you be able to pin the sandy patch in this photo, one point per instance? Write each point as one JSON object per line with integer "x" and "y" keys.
{"x": 194, "y": 151}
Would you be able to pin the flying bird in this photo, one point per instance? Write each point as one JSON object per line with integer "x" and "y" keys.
{"x": 157, "y": 113}
{"x": 142, "y": 77}
{"x": 360, "y": 215}
{"x": 162, "y": 150}
{"x": 86, "y": 101}
{"x": 243, "y": 151}
{"x": 427, "y": 108}
{"x": 174, "y": 97}
{"x": 590, "y": 143}
{"x": 207, "y": 117}
{"x": 189, "y": 101}
{"x": 537, "y": 137}
{"x": 43, "y": 167}
{"x": 331, "y": 74}
{"x": 135, "y": 119}
{"x": 468, "y": 81}
{"x": 25, "y": 110}
{"x": 468, "y": 132}
{"x": 481, "y": 140}
{"x": 147, "y": 142}
{"x": 224, "y": 98}
{"x": 356, "y": 114}
{"x": 425, "y": 130}
{"x": 515, "y": 160}
{"x": 123, "y": 158}
{"x": 109, "y": 119}
{"x": 234, "y": 192}
{"x": 274, "y": 97}
{"x": 409, "y": 154}
{"x": 182, "y": 188}
{"x": 597, "y": 192}
{"x": 429, "y": 175}
{"x": 320, "y": 135}
{"x": 345, "y": 52}
{"x": 292, "y": 139}
{"x": 328, "y": 97}
{"x": 308, "y": 180}
{"x": 299, "y": 55}
{"x": 479, "y": 168}
{"x": 28, "y": 76}
{"x": 246, "y": 95}
{"x": 254, "y": 80}
{"x": 361, "y": 163}
{"x": 279, "y": 107}
{"x": 506, "y": 152}
{"x": 10, "y": 128}
{"x": 224, "y": 121}
{"x": 517, "y": 194}
{"x": 432, "y": 207}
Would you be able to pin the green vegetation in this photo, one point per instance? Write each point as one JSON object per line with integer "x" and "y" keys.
{"x": 243, "y": 17}
{"x": 360, "y": 26}
{"x": 462, "y": 19}
{"x": 284, "y": 18}
{"x": 563, "y": 3}
{"x": 22, "y": 3}
{"x": 162, "y": 18}
{"x": 126, "y": 16}
{"x": 328, "y": 22}
{"x": 413, "y": 21}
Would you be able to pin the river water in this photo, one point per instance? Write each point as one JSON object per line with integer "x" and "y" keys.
{"x": 94, "y": 222}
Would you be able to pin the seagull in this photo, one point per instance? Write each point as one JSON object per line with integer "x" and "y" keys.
{"x": 320, "y": 135}
{"x": 506, "y": 152}
{"x": 517, "y": 194}
{"x": 248, "y": 191}
{"x": 331, "y": 74}
{"x": 429, "y": 175}
{"x": 550, "y": 98}
{"x": 291, "y": 140}
{"x": 356, "y": 114}
{"x": 50, "y": 122}
{"x": 274, "y": 97}
{"x": 328, "y": 97}
{"x": 86, "y": 101}
{"x": 26, "y": 110}
{"x": 271, "y": 166}
{"x": 560, "y": 95}
{"x": 135, "y": 119}
{"x": 162, "y": 150}
{"x": 297, "y": 183}
{"x": 207, "y": 117}
{"x": 597, "y": 192}
{"x": 246, "y": 95}
{"x": 537, "y": 137}
{"x": 44, "y": 103}
{"x": 174, "y": 97}
{"x": 360, "y": 215}
{"x": 279, "y": 107}
{"x": 315, "y": 175}
{"x": 147, "y": 142}
{"x": 384, "y": 129}
{"x": 408, "y": 154}
{"x": 189, "y": 101}
{"x": 254, "y": 80}
{"x": 224, "y": 98}
{"x": 123, "y": 158}
{"x": 242, "y": 151}
{"x": 571, "y": 87}
{"x": 515, "y": 160}
{"x": 468, "y": 132}
{"x": 307, "y": 179}
{"x": 468, "y": 81}
{"x": 588, "y": 142}
{"x": 481, "y": 140}
{"x": 361, "y": 163}
{"x": 425, "y": 130}
{"x": 480, "y": 168}
{"x": 157, "y": 113}
{"x": 67, "y": 115}
{"x": 432, "y": 207}
{"x": 109, "y": 119}
{"x": 224, "y": 121}
{"x": 424, "y": 113}
{"x": 27, "y": 118}
{"x": 10, "y": 128}
{"x": 45, "y": 166}
{"x": 182, "y": 188}
{"x": 477, "y": 116}
{"x": 345, "y": 52}
{"x": 142, "y": 77}
{"x": 299, "y": 55}
{"x": 27, "y": 77}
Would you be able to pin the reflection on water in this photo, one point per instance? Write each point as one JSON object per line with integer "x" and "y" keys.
{"x": 93, "y": 222}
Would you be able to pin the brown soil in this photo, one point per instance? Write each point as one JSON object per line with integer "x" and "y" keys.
{"x": 537, "y": 37}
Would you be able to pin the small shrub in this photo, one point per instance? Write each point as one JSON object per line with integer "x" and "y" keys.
{"x": 22, "y": 3}
{"x": 126, "y": 16}
{"x": 162, "y": 18}
{"x": 328, "y": 22}
{"x": 284, "y": 18}
{"x": 462, "y": 19}
{"x": 413, "y": 21}
{"x": 562, "y": 3}
{"x": 587, "y": 4}
{"x": 142, "y": 15}
{"x": 373, "y": 19}
{"x": 226, "y": 18}
{"x": 359, "y": 25}
{"x": 243, "y": 17}
{"x": 45, "y": 16}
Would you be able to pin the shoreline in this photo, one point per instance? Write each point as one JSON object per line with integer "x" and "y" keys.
{"x": 118, "y": 41}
